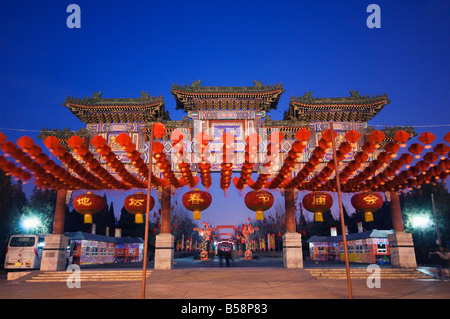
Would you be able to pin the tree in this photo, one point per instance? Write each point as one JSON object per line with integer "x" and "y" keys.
{"x": 7, "y": 209}
{"x": 418, "y": 203}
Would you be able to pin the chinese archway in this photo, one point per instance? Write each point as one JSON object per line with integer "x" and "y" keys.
{"x": 228, "y": 130}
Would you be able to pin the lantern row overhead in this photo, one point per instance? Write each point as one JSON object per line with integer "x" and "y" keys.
{"x": 379, "y": 174}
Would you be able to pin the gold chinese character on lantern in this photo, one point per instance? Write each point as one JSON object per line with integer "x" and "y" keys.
{"x": 319, "y": 200}
{"x": 265, "y": 198}
{"x": 136, "y": 202}
{"x": 84, "y": 201}
{"x": 370, "y": 199}
{"x": 195, "y": 199}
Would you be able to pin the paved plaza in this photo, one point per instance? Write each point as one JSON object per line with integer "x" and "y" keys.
{"x": 190, "y": 279}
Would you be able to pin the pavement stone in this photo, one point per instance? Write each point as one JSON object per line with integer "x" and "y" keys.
{"x": 190, "y": 280}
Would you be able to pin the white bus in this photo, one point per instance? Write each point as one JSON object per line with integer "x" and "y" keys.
{"x": 24, "y": 252}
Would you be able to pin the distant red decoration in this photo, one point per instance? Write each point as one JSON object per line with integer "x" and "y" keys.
{"x": 88, "y": 204}
{"x": 367, "y": 202}
{"x": 159, "y": 130}
{"x": 259, "y": 201}
{"x": 317, "y": 203}
{"x": 136, "y": 204}
{"x": 197, "y": 201}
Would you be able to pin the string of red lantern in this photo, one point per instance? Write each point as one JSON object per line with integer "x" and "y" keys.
{"x": 128, "y": 180}
{"x": 58, "y": 179}
{"x": 358, "y": 180}
{"x": 227, "y": 160}
{"x": 11, "y": 169}
{"x": 250, "y": 158}
{"x": 344, "y": 148}
{"x": 125, "y": 141}
{"x": 424, "y": 171}
{"x": 273, "y": 149}
{"x": 294, "y": 153}
{"x": 96, "y": 171}
{"x": 183, "y": 163}
{"x": 67, "y": 180}
{"x": 42, "y": 176}
{"x": 202, "y": 148}
{"x": 55, "y": 147}
{"x": 164, "y": 165}
{"x": 314, "y": 160}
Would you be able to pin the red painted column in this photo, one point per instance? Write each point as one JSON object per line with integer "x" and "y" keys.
{"x": 165, "y": 210}
{"x": 60, "y": 212}
{"x": 396, "y": 212}
{"x": 289, "y": 210}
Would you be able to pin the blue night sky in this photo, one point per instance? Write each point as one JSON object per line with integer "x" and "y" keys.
{"x": 124, "y": 47}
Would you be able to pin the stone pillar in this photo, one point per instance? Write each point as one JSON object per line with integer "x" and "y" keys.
{"x": 401, "y": 244}
{"x": 54, "y": 253}
{"x": 164, "y": 241}
{"x": 292, "y": 250}
{"x": 292, "y": 241}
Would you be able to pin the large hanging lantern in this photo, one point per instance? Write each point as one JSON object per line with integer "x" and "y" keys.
{"x": 196, "y": 201}
{"x": 136, "y": 204}
{"x": 259, "y": 201}
{"x": 367, "y": 202}
{"x": 318, "y": 203}
{"x": 88, "y": 204}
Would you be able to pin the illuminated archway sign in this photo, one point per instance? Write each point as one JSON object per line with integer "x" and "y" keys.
{"x": 227, "y": 130}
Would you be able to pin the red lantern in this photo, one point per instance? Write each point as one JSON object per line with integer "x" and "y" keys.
{"x": 317, "y": 203}
{"x": 159, "y": 130}
{"x": 196, "y": 201}
{"x": 136, "y": 204}
{"x": 88, "y": 204}
{"x": 259, "y": 201}
{"x": 401, "y": 137}
{"x": 427, "y": 138}
{"x": 415, "y": 149}
{"x": 25, "y": 142}
{"x": 368, "y": 203}
{"x": 376, "y": 137}
{"x": 352, "y": 136}
{"x": 441, "y": 149}
{"x": 303, "y": 135}
{"x": 2, "y": 138}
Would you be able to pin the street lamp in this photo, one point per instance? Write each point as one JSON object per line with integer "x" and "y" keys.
{"x": 30, "y": 223}
{"x": 420, "y": 221}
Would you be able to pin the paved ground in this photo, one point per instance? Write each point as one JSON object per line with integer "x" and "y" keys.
{"x": 262, "y": 279}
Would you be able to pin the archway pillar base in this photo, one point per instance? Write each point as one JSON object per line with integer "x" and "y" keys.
{"x": 54, "y": 253}
{"x": 292, "y": 250}
{"x": 164, "y": 251}
{"x": 402, "y": 250}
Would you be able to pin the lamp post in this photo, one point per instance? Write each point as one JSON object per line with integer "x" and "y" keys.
{"x": 149, "y": 186}
{"x": 341, "y": 212}
{"x": 436, "y": 223}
